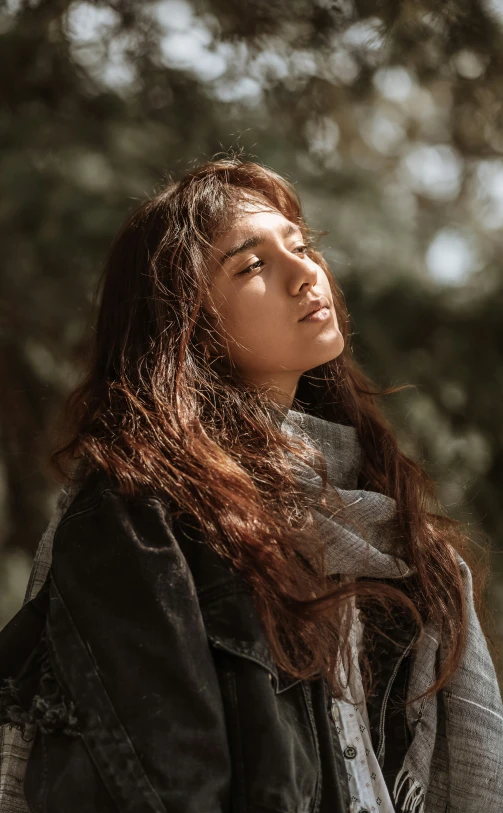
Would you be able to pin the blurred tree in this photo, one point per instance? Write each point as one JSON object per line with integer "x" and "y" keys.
{"x": 388, "y": 118}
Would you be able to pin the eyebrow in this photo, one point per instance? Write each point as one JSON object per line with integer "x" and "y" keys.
{"x": 255, "y": 240}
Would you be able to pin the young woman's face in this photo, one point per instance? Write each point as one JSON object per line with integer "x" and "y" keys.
{"x": 262, "y": 285}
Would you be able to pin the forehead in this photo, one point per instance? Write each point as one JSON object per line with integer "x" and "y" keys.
{"x": 250, "y": 216}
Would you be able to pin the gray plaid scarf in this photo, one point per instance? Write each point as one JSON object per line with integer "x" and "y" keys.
{"x": 455, "y": 761}
{"x": 453, "y": 765}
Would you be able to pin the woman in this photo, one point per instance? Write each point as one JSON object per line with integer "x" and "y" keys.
{"x": 251, "y": 603}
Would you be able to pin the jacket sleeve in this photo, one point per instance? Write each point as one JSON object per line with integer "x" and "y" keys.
{"x": 126, "y": 620}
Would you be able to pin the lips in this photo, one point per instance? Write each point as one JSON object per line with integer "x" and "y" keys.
{"x": 315, "y": 305}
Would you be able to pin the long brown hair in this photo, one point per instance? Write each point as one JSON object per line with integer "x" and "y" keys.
{"x": 157, "y": 414}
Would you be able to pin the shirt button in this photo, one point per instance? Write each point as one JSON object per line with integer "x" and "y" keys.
{"x": 350, "y": 752}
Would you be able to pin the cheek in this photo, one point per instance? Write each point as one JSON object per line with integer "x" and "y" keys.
{"x": 258, "y": 322}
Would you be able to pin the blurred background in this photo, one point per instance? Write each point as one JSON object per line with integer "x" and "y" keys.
{"x": 387, "y": 117}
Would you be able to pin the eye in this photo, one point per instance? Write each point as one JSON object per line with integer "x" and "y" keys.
{"x": 258, "y": 263}
{"x": 250, "y": 268}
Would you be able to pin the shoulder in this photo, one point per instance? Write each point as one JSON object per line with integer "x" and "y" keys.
{"x": 105, "y": 535}
{"x": 100, "y": 493}
{"x": 104, "y": 530}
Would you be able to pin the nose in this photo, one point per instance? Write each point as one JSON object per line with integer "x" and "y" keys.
{"x": 302, "y": 271}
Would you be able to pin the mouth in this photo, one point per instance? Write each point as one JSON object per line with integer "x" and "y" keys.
{"x": 321, "y": 315}
{"x": 316, "y": 306}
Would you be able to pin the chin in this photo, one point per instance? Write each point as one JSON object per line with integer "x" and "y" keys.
{"x": 333, "y": 349}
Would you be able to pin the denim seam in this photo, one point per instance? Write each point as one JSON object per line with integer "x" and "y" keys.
{"x": 404, "y": 715}
{"x": 233, "y": 649}
{"x": 95, "y": 504}
{"x": 45, "y": 773}
{"x": 310, "y": 713}
{"x": 381, "y": 745}
{"x": 208, "y": 595}
{"x": 98, "y": 500}
{"x": 241, "y": 787}
{"x": 268, "y": 809}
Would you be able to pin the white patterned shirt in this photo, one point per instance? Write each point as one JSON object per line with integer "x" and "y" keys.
{"x": 367, "y": 788}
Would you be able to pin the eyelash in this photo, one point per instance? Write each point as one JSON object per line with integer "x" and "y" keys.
{"x": 252, "y": 267}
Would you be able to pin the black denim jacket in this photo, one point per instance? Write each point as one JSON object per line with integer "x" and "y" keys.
{"x": 146, "y": 668}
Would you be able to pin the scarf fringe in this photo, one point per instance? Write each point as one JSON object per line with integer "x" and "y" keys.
{"x": 415, "y": 797}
